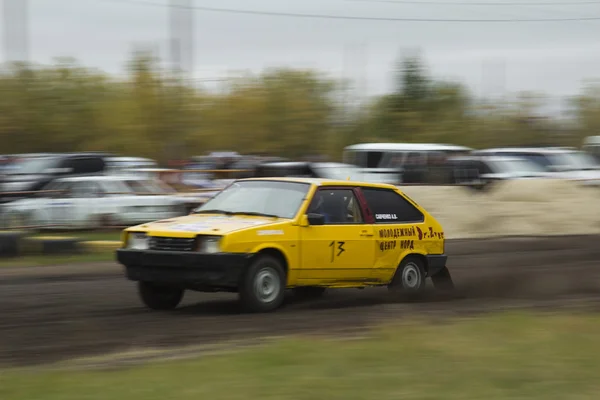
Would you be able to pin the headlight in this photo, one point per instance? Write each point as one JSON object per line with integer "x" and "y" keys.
{"x": 209, "y": 244}
{"x": 137, "y": 241}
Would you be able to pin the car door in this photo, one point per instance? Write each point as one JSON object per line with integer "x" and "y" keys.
{"x": 341, "y": 250}
{"x": 399, "y": 229}
{"x": 86, "y": 202}
{"x": 61, "y": 203}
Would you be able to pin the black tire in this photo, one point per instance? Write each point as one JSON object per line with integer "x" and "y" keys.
{"x": 409, "y": 277}
{"x": 309, "y": 292}
{"x": 442, "y": 280}
{"x": 159, "y": 297}
{"x": 262, "y": 288}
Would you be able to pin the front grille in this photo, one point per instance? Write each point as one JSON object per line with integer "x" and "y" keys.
{"x": 172, "y": 244}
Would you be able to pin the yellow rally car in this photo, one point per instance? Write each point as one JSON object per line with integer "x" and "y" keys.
{"x": 259, "y": 237}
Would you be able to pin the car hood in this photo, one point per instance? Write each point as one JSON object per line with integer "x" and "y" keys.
{"x": 204, "y": 224}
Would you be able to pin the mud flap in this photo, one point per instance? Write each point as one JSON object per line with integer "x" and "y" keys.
{"x": 442, "y": 280}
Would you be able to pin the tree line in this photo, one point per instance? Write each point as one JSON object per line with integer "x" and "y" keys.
{"x": 284, "y": 112}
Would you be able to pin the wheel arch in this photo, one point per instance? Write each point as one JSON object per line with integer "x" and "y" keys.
{"x": 273, "y": 251}
{"x": 419, "y": 256}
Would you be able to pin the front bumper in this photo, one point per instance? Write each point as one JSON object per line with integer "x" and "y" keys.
{"x": 435, "y": 263}
{"x": 189, "y": 270}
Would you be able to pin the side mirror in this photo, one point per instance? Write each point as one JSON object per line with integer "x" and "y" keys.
{"x": 316, "y": 219}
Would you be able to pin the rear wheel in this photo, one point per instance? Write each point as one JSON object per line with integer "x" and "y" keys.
{"x": 159, "y": 297}
{"x": 263, "y": 286}
{"x": 409, "y": 277}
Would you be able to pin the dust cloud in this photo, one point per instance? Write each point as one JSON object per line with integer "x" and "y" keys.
{"x": 536, "y": 207}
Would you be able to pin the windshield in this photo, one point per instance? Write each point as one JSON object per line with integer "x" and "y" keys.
{"x": 32, "y": 165}
{"x": 518, "y": 166}
{"x": 281, "y": 199}
{"x": 115, "y": 187}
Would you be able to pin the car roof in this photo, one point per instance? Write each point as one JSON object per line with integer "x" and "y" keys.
{"x": 331, "y": 164}
{"x": 492, "y": 158}
{"x": 407, "y": 147}
{"x": 323, "y": 182}
{"x": 284, "y": 164}
{"x": 129, "y": 159}
{"x": 539, "y": 150}
{"x": 101, "y": 178}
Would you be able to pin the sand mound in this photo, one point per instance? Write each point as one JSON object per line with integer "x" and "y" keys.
{"x": 526, "y": 207}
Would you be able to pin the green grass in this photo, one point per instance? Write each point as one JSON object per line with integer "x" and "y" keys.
{"x": 46, "y": 260}
{"x": 93, "y": 255}
{"x": 515, "y": 356}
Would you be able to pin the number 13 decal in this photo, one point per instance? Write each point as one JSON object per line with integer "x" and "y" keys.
{"x": 340, "y": 248}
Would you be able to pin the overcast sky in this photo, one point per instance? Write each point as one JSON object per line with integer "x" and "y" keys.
{"x": 553, "y": 57}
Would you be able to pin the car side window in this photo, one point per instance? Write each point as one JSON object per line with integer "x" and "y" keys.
{"x": 66, "y": 190}
{"x": 388, "y": 207}
{"x": 82, "y": 190}
{"x": 339, "y": 206}
{"x": 93, "y": 190}
{"x": 55, "y": 189}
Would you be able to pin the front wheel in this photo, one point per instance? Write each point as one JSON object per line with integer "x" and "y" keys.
{"x": 159, "y": 297}
{"x": 409, "y": 277}
{"x": 263, "y": 286}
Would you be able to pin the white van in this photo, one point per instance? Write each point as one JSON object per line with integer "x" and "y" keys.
{"x": 397, "y": 163}
{"x": 560, "y": 163}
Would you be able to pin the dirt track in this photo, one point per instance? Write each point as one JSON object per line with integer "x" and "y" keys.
{"x": 54, "y": 313}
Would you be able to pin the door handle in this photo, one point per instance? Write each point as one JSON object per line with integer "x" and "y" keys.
{"x": 366, "y": 233}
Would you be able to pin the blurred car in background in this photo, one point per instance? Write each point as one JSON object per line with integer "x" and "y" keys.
{"x": 479, "y": 171}
{"x": 151, "y": 185}
{"x": 235, "y": 166}
{"x": 127, "y": 165}
{"x": 30, "y": 172}
{"x": 246, "y": 166}
{"x": 198, "y": 172}
{"x": 305, "y": 169}
{"x": 560, "y": 163}
{"x": 93, "y": 201}
{"x": 292, "y": 169}
{"x": 591, "y": 145}
{"x": 397, "y": 163}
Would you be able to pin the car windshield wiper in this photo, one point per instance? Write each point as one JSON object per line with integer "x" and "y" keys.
{"x": 257, "y": 214}
{"x": 214, "y": 212}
